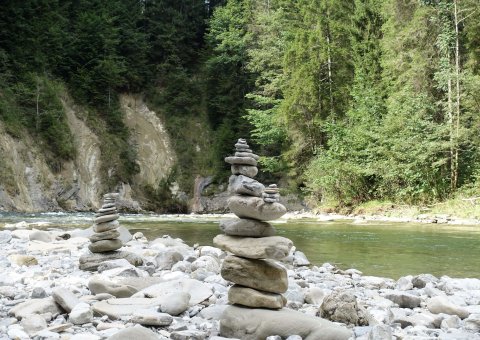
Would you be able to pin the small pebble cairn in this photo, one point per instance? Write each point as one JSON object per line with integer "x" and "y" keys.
{"x": 106, "y": 236}
{"x": 258, "y": 280}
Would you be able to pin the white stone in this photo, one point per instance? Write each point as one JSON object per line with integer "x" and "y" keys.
{"x": 81, "y": 314}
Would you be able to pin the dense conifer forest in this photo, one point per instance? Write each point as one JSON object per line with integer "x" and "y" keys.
{"x": 348, "y": 100}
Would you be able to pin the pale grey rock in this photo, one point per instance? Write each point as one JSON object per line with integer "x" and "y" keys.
{"x": 106, "y": 235}
{"x": 38, "y": 293}
{"x": 198, "y": 291}
{"x": 16, "y": 332}
{"x": 106, "y": 218}
{"x": 245, "y": 170}
{"x": 451, "y": 321}
{"x": 405, "y": 283}
{"x": 125, "y": 307}
{"x": 300, "y": 259}
{"x": 342, "y": 306}
{"x": 254, "y": 298}
{"x": 45, "y": 334}
{"x": 420, "y": 281}
{"x": 294, "y": 337}
{"x": 125, "y": 235}
{"x": 212, "y": 312}
{"x": 103, "y": 246}
{"x": 175, "y": 304}
{"x": 441, "y": 304}
{"x": 151, "y": 318}
{"x": 138, "y": 332}
{"x": 255, "y": 208}
{"x": 241, "y": 160}
{"x": 8, "y": 292}
{"x": 263, "y": 275}
{"x": 166, "y": 259}
{"x": 247, "y": 227}
{"x": 140, "y": 283}
{"x": 33, "y": 323}
{"x": 112, "y": 264}
{"x": 380, "y": 332}
{"x": 247, "y": 154}
{"x": 253, "y": 324}
{"x": 41, "y": 235}
{"x": 272, "y": 247}
{"x": 315, "y": 296}
{"x": 23, "y": 260}
{"x": 208, "y": 263}
{"x": 472, "y": 323}
{"x": 81, "y": 314}
{"x": 65, "y": 298}
{"x": 98, "y": 285}
{"x": 404, "y": 300}
{"x": 35, "y": 306}
{"x": 91, "y": 262}
{"x": 189, "y": 335}
{"x": 102, "y": 227}
{"x": 5, "y": 236}
{"x": 244, "y": 185}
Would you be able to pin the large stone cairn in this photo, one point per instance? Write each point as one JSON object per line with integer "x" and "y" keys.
{"x": 258, "y": 280}
{"x": 106, "y": 234}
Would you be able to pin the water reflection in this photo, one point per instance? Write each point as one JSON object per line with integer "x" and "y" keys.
{"x": 381, "y": 249}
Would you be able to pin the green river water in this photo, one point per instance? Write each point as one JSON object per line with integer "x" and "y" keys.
{"x": 375, "y": 248}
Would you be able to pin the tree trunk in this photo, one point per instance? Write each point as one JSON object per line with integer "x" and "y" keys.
{"x": 457, "y": 101}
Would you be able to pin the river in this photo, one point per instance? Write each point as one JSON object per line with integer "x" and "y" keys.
{"x": 375, "y": 248}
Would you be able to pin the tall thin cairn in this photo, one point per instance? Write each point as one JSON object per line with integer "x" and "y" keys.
{"x": 258, "y": 280}
{"x": 106, "y": 236}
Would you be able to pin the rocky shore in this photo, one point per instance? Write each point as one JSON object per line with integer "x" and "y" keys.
{"x": 176, "y": 292}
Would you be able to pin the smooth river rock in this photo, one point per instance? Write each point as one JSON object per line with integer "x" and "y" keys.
{"x": 106, "y": 235}
{"x": 99, "y": 228}
{"x": 35, "y": 306}
{"x": 263, "y": 275}
{"x": 99, "y": 285}
{"x": 244, "y": 185}
{"x": 254, "y": 324}
{"x": 105, "y": 245}
{"x": 254, "y": 298}
{"x": 246, "y": 170}
{"x": 65, "y": 298}
{"x": 241, "y": 160}
{"x": 247, "y": 227}
{"x": 198, "y": 290}
{"x": 92, "y": 261}
{"x": 272, "y": 247}
{"x": 125, "y": 307}
{"x": 151, "y": 318}
{"x": 106, "y": 218}
{"x": 441, "y": 304}
{"x": 137, "y": 332}
{"x": 255, "y": 208}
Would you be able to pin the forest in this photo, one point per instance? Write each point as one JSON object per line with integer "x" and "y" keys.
{"x": 348, "y": 101}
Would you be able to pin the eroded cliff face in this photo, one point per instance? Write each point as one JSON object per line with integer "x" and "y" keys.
{"x": 28, "y": 184}
{"x": 155, "y": 155}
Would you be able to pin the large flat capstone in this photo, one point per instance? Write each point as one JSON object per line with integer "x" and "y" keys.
{"x": 246, "y": 227}
{"x": 253, "y": 324}
{"x": 273, "y": 247}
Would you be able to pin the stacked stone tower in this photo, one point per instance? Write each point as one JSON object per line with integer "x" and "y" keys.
{"x": 258, "y": 280}
{"x": 106, "y": 236}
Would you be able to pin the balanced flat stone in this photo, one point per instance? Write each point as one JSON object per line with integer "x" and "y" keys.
{"x": 247, "y": 154}
{"x": 92, "y": 261}
{"x": 272, "y": 247}
{"x": 111, "y": 212}
{"x": 108, "y": 205}
{"x": 246, "y": 170}
{"x": 255, "y": 208}
{"x": 101, "y": 227}
{"x": 106, "y": 235}
{"x": 105, "y": 245}
{"x": 104, "y": 210}
{"x": 255, "y": 298}
{"x": 244, "y": 185}
{"x": 247, "y": 227}
{"x": 198, "y": 290}
{"x": 263, "y": 275}
{"x": 106, "y": 218}
{"x": 241, "y": 160}
{"x": 252, "y": 324}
